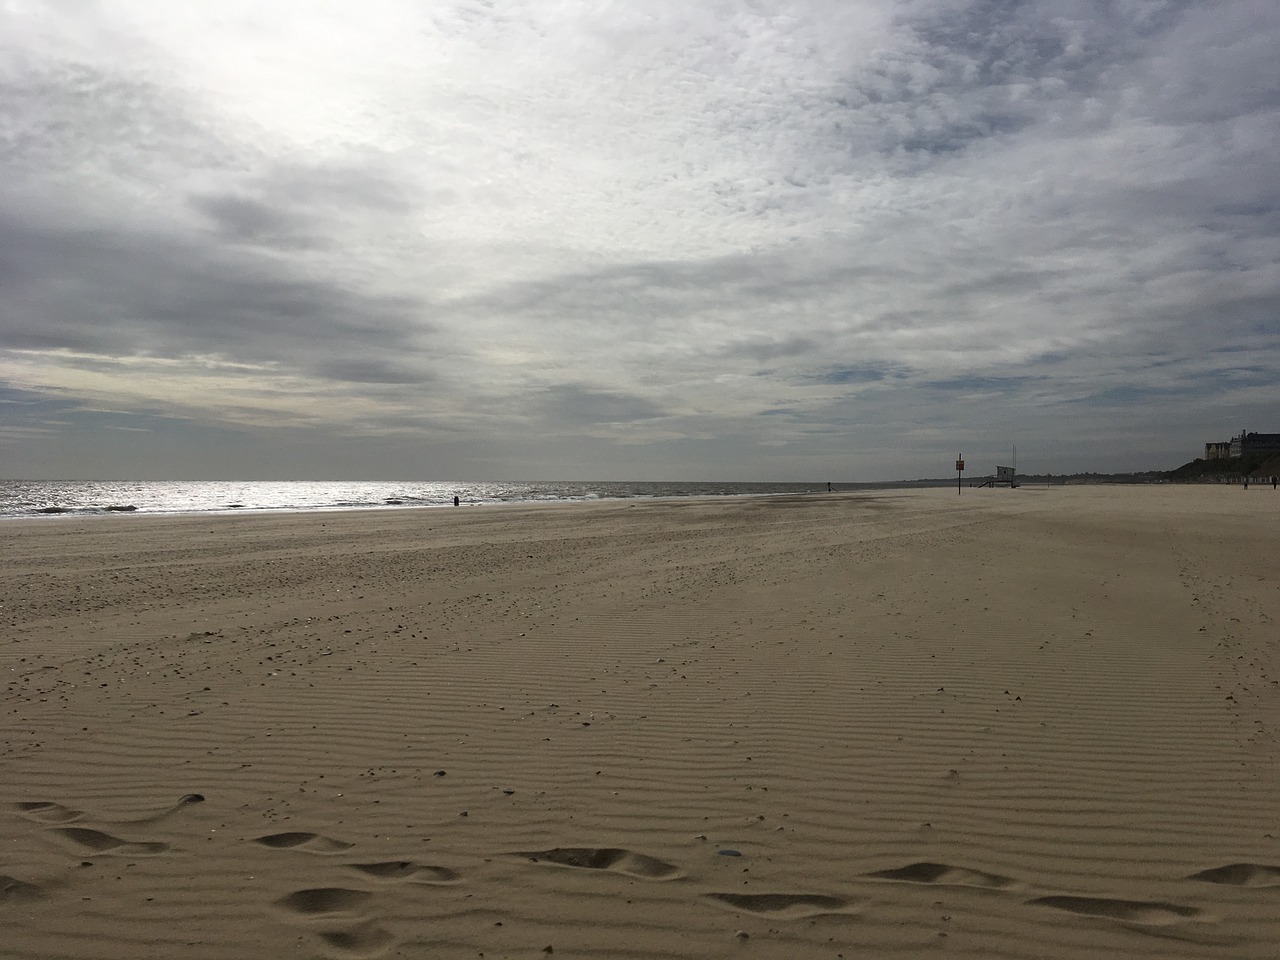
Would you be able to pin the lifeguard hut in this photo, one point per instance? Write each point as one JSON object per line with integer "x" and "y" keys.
{"x": 1005, "y": 477}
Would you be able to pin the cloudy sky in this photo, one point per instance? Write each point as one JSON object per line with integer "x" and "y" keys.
{"x": 653, "y": 239}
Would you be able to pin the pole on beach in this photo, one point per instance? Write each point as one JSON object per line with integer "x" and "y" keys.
{"x": 959, "y": 470}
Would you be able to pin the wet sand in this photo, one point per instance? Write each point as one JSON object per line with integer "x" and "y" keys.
{"x": 1032, "y": 723}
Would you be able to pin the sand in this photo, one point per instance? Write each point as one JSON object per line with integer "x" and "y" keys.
{"x": 1033, "y": 723}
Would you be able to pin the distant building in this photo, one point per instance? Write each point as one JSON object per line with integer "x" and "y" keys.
{"x": 1247, "y": 444}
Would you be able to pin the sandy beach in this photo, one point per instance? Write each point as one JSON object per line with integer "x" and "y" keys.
{"x": 1035, "y": 723}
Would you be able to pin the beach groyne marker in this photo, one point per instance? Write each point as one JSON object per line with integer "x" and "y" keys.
{"x": 959, "y": 471}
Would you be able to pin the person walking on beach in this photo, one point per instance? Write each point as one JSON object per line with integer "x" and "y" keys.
{"x": 456, "y": 501}
{"x": 1273, "y": 481}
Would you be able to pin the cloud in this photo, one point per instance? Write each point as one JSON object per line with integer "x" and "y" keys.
{"x": 574, "y": 404}
{"x": 837, "y": 233}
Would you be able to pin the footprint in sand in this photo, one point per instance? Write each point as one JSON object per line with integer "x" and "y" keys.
{"x": 45, "y": 811}
{"x": 364, "y": 940}
{"x": 782, "y": 905}
{"x": 310, "y": 842}
{"x": 945, "y": 874}
{"x": 1128, "y": 911}
{"x": 186, "y": 800}
{"x": 407, "y": 870}
{"x": 1241, "y": 875}
{"x": 99, "y": 842}
{"x": 96, "y": 841}
{"x": 325, "y": 901}
{"x": 337, "y": 913}
{"x": 13, "y": 890}
{"x": 613, "y": 859}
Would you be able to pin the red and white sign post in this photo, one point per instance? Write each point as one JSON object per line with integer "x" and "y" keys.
{"x": 959, "y": 471}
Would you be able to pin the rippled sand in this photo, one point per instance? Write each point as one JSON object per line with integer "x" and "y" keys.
{"x": 1033, "y": 723}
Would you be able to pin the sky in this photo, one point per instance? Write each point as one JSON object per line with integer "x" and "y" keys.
{"x": 647, "y": 240}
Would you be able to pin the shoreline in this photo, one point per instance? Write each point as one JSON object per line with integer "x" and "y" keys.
{"x": 38, "y": 500}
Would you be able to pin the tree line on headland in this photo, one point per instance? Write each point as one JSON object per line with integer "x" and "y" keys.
{"x": 1227, "y": 469}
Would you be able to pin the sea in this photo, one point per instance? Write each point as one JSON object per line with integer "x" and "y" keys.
{"x": 50, "y": 499}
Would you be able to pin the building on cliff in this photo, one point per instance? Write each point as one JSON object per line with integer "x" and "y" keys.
{"x": 1244, "y": 445}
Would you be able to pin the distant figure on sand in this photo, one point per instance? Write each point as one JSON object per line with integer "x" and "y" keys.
{"x": 1273, "y": 482}
{"x": 828, "y": 486}
{"x": 455, "y": 500}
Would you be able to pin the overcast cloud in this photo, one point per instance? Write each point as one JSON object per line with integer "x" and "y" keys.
{"x": 561, "y": 239}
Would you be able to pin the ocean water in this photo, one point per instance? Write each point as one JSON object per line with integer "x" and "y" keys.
{"x": 60, "y": 498}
